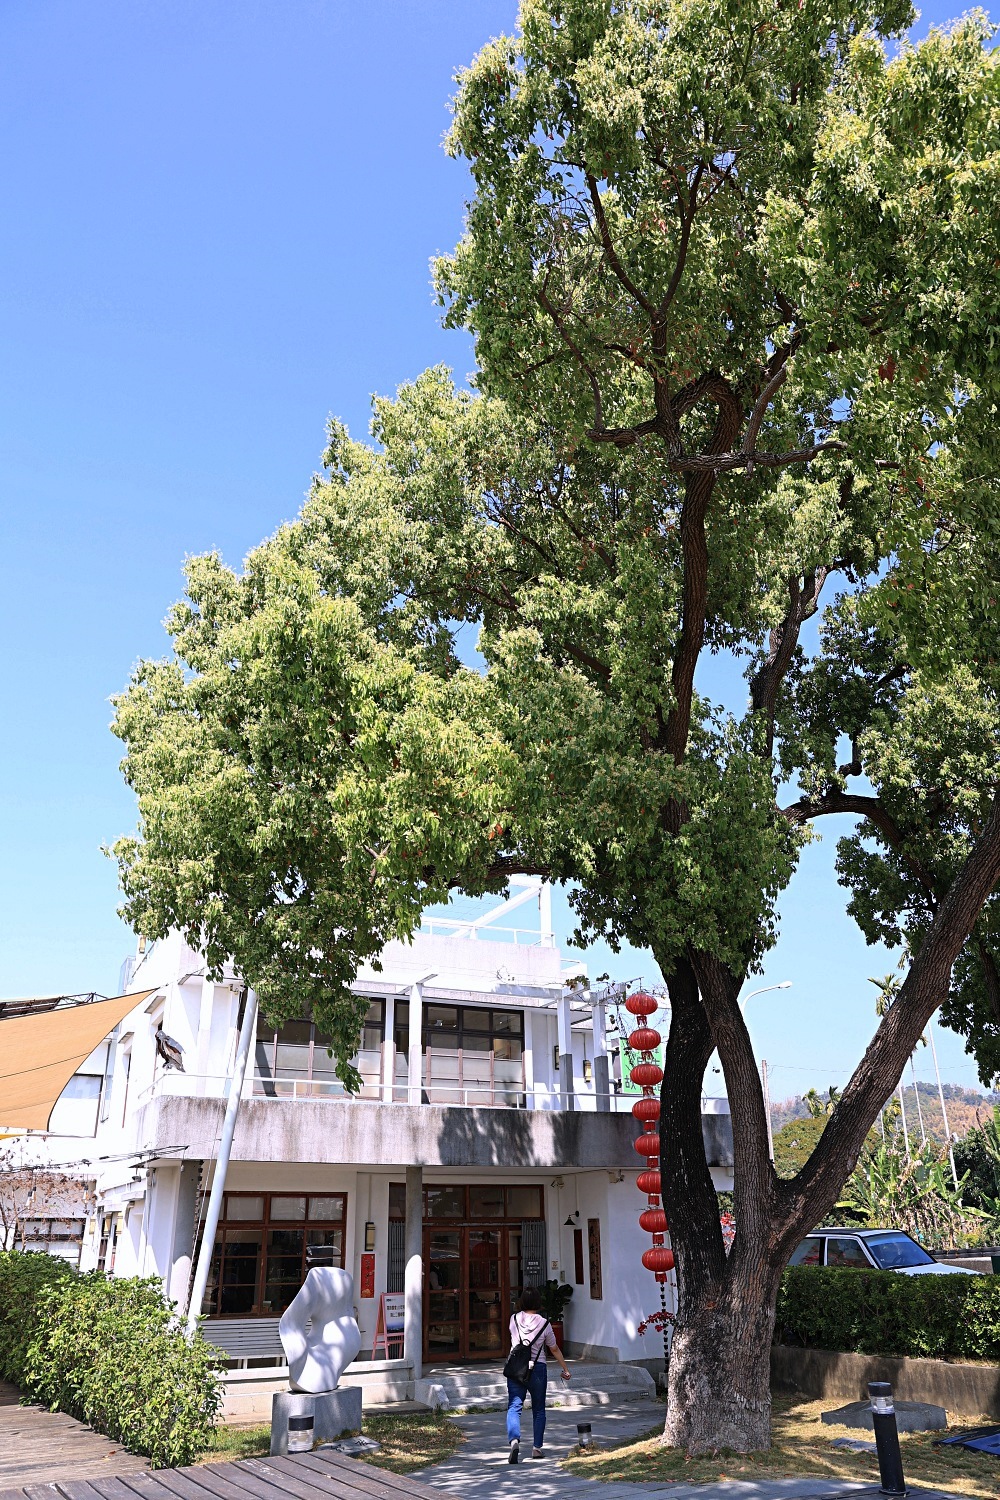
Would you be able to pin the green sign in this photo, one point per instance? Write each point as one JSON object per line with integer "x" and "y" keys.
{"x": 629, "y": 1059}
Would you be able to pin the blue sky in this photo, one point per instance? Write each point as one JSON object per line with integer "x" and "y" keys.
{"x": 218, "y": 221}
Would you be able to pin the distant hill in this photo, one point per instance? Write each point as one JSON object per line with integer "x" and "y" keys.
{"x": 966, "y": 1109}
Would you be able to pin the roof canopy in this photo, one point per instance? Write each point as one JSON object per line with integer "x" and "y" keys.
{"x": 42, "y": 1046}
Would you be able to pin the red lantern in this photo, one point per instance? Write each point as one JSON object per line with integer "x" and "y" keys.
{"x": 647, "y": 1074}
{"x": 653, "y": 1221}
{"x": 640, "y": 1004}
{"x": 658, "y": 1259}
{"x": 646, "y": 1109}
{"x": 644, "y": 1039}
{"x": 648, "y": 1182}
{"x": 648, "y": 1145}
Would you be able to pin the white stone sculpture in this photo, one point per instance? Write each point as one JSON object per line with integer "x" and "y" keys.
{"x": 319, "y": 1331}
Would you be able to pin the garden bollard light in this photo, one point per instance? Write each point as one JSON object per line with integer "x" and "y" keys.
{"x": 300, "y": 1434}
{"x": 583, "y": 1434}
{"x": 890, "y": 1461}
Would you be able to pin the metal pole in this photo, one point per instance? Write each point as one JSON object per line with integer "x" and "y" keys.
{"x": 916, "y": 1095}
{"x": 890, "y": 1460}
{"x": 200, "y": 1280}
{"x": 944, "y": 1112}
{"x": 767, "y": 1107}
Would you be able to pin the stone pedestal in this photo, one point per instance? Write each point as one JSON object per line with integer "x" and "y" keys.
{"x": 335, "y": 1413}
{"x": 911, "y": 1416}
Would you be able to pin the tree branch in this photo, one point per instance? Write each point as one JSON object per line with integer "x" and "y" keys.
{"x": 809, "y": 1195}
{"x": 609, "y": 248}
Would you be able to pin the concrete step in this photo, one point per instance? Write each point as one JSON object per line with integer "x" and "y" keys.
{"x": 592, "y": 1385}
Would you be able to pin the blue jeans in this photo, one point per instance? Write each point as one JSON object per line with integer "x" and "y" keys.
{"x": 537, "y": 1382}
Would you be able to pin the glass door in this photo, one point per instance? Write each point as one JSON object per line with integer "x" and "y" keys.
{"x": 485, "y": 1304}
{"x": 444, "y": 1269}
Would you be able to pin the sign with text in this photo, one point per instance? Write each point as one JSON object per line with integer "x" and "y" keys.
{"x": 389, "y": 1328}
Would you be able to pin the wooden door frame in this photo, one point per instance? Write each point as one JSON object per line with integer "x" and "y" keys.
{"x": 464, "y": 1228}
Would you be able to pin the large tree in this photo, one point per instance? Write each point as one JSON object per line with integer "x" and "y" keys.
{"x": 731, "y": 274}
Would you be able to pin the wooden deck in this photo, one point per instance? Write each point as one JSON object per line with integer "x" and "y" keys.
{"x": 307, "y": 1476}
{"x": 39, "y": 1446}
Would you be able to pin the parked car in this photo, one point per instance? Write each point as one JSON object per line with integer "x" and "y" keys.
{"x": 871, "y": 1250}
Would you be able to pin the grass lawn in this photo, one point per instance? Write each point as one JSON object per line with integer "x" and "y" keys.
{"x": 409, "y": 1441}
{"x": 801, "y": 1445}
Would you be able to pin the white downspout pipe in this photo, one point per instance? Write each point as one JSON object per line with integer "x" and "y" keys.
{"x": 200, "y": 1279}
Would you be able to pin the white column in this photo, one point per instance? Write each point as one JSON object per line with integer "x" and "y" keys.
{"x": 602, "y": 1069}
{"x": 388, "y": 1067}
{"x": 564, "y": 1022}
{"x": 413, "y": 1280}
{"x": 203, "y": 1064}
{"x": 415, "y": 1070}
{"x": 547, "y": 936}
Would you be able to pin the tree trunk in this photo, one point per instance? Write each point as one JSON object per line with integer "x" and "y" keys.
{"x": 720, "y": 1369}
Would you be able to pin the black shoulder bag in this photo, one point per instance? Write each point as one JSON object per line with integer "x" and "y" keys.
{"x": 520, "y": 1362}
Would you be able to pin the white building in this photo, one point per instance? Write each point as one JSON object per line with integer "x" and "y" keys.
{"x": 489, "y": 1137}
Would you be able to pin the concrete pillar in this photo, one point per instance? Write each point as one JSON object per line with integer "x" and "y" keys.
{"x": 178, "y": 1276}
{"x": 564, "y": 1022}
{"x": 415, "y": 1069}
{"x": 203, "y": 1052}
{"x": 602, "y": 1069}
{"x": 388, "y": 1066}
{"x": 413, "y": 1282}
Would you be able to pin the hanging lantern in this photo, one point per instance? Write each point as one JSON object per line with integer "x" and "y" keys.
{"x": 647, "y": 1075}
{"x": 660, "y": 1260}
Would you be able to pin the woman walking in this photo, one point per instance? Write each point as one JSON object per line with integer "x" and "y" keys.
{"x": 529, "y": 1330}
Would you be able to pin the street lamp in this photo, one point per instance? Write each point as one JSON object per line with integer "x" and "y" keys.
{"x": 785, "y": 984}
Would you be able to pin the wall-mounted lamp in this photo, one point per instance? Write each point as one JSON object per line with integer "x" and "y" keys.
{"x": 573, "y": 1219}
{"x": 369, "y": 1237}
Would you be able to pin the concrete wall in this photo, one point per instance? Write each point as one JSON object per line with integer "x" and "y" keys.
{"x": 963, "y": 1390}
{"x": 362, "y": 1133}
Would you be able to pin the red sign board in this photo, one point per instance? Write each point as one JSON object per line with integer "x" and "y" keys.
{"x": 367, "y": 1275}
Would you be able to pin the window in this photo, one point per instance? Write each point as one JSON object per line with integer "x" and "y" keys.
{"x": 809, "y": 1253}
{"x": 265, "y": 1244}
{"x": 473, "y": 1055}
{"x": 471, "y": 1029}
{"x": 893, "y": 1250}
{"x": 479, "y": 1202}
{"x": 846, "y": 1252}
{"x": 295, "y": 1060}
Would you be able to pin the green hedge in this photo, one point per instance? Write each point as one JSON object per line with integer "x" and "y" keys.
{"x": 882, "y": 1312}
{"x": 110, "y": 1352}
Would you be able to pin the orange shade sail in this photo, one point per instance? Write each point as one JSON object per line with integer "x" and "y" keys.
{"x": 40, "y": 1052}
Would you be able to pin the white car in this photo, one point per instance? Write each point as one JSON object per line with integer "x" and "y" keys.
{"x": 871, "y": 1250}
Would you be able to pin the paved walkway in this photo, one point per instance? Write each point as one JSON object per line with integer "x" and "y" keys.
{"x": 480, "y": 1471}
{"x": 43, "y": 1447}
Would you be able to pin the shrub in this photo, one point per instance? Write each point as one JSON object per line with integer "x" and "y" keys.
{"x": 112, "y": 1353}
{"x": 23, "y": 1276}
{"x": 882, "y": 1312}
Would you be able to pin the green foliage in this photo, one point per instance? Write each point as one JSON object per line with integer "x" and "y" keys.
{"x": 23, "y": 1279}
{"x": 883, "y": 1312}
{"x": 731, "y": 275}
{"x": 977, "y": 1157}
{"x": 795, "y": 1142}
{"x": 912, "y": 1191}
{"x": 556, "y": 1296}
{"x": 111, "y": 1353}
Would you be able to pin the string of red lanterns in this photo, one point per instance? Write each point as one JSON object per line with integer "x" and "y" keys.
{"x": 647, "y": 1075}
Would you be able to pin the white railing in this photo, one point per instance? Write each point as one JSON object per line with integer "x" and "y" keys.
{"x": 525, "y": 937}
{"x": 499, "y": 1095}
